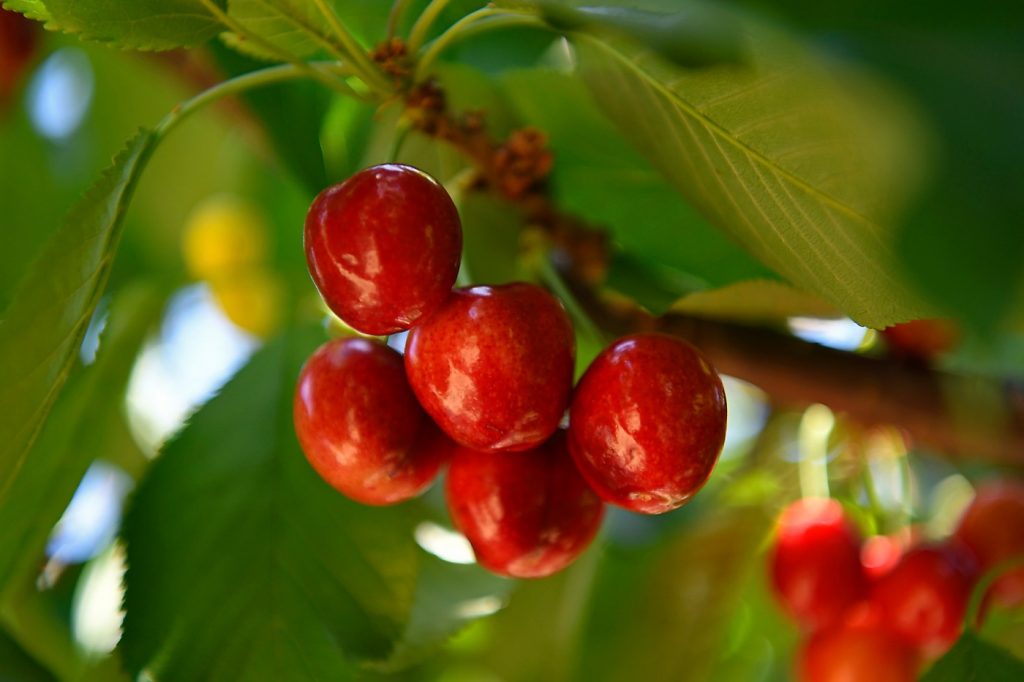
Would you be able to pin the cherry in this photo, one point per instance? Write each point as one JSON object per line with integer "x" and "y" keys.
{"x": 992, "y": 527}
{"x": 18, "y": 37}
{"x": 851, "y": 652}
{"x": 815, "y": 563}
{"x": 527, "y": 514}
{"x": 923, "y": 599}
{"x": 647, "y": 423}
{"x": 494, "y": 366}
{"x": 383, "y": 247}
{"x": 360, "y": 425}
{"x": 922, "y": 339}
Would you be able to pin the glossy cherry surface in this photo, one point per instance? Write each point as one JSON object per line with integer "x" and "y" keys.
{"x": 992, "y": 527}
{"x": 360, "y": 425}
{"x": 862, "y": 652}
{"x": 647, "y": 423}
{"x": 494, "y": 366}
{"x": 923, "y": 599}
{"x": 383, "y": 247}
{"x": 815, "y": 563}
{"x": 527, "y": 514}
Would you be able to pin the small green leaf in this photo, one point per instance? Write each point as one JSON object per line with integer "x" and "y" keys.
{"x": 74, "y": 436}
{"x": 43, "y": 327}
{"x": 754, "y": 301}
{"x": 973, "y": 660}
{"x": 296, "y": 27}
{"x": 33, "y": 9}
{"x": 805, "y": 165}
{"x": 243, "y": 564}
{"x": 138, "y": 24}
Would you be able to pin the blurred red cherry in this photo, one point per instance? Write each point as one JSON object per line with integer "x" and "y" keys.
{"x": 856, "y": 652}
{"x": 924, "y": 598}
{"x": 922, "y": 339}
{"x": 992, "y": 527}
{"x": 815, "y": 563}
{"x": 18, "y": 37}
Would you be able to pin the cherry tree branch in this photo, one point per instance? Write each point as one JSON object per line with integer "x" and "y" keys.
{"x": 961, "y": 417}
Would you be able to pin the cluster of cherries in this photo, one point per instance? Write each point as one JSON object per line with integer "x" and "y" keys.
{"x": 878, "y": 610}
{"x": 484, "y": 385}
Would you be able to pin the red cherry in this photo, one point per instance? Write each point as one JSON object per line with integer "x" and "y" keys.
{"x": 17, "y": 45}
{"x": 383, "y": 247}
{"x": 494, "y": 366}
{"x": 922, "y": 339}
{"x": 992, "y": 527}
{"x": 815, "y": 563}
{"x": 527, "y": 514}
{"x": 647, "y": 423}
{"x": 360, "y": 425}
{"x": 924, "y": 598}
{"x": 881, "y": 553}
{"x": 856, "y": 652}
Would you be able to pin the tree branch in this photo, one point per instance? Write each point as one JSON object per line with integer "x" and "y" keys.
{"x": 968, "y": 418}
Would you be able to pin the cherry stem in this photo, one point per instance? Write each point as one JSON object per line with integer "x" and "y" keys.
{"x": 398, "y": 8}
{"x": 982, "y": 587}
{"x": 248, "y": 81}
{"x": 333, "y": 82}
{"x": 367, "y": 70}
{"x": 418, "y": 34}
{"x": 486, "y": 19}
{"x": 402, "y": 128}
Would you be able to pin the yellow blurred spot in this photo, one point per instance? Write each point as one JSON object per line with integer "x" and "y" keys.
{"x": 223, "y": 234}
{"x": 252, "y": 299}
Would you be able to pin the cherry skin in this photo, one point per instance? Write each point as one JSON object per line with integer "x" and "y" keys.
{"x": 851, "y": 652}
{"x": 360, "y": 425}
{"x": 18, "y": 37}
{"x": 922, "y": 339}
{"x": 815, "y": 563}
{"x": 383, "y": 247}
{"x": 494, "y": 366}
{"x": 647, "y": 423}
{"x": 881, "y": 553}
{"x": 924, "y": 598}
{"x": 527, "y": 514}
{"x": 992, "y": 527}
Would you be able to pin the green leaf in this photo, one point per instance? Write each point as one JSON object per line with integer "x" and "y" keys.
{"x": 754, "y": 301}
{"x": 678, "y": 603}
{"x": 18, "y": 666}
{"x": 973, "y": 660}
{"x": 74, "y": 436}
{"x": 33, "y": 9}
{"x": 599, "y": 176}
{"x": 244, "y": 564}
{"x": 296, "y": 27}
{"x": 805, "y": 166}
{"x": 448, "y": 596}
{"x": 41, "y": 330}
{"x": 138, "y": 24}
{"x": 698, "y": 35}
